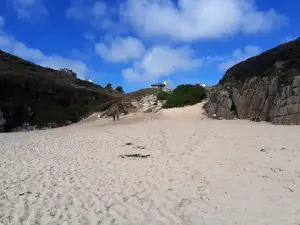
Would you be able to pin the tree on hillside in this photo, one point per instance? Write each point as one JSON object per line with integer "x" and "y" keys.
{"x": 108, "y": 86}
{"x": 120, "y": 89}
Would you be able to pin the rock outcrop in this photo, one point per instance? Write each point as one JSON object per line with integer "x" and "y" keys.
{"x": 262, "y": 88}
{"x": 146, "y": 104}
{"x": 42, "y": 96}
{"x": 144, "y": 100}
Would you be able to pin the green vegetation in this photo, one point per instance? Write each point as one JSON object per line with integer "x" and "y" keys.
{"x": 282, "y": 61}
{"x": 120, "y": 89}
{"x": 186, "y": 94}
{"x": 39, "y": 95}
{"x": 287, "y": 77}
{"x": 162, "y": 95}
{"x": 108, "y": 86}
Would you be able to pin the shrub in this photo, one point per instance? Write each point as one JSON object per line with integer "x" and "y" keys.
{"x": 108, "y": 86}
{"x": 286, "y": 78}
{"x": 162, "y": 95}
{"x": 120, "y": 89}
{"x": 186, "y": 94}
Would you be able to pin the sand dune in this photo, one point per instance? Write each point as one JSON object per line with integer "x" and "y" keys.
{"x": 195, "y": 171}
{"x": 194, "y": 112}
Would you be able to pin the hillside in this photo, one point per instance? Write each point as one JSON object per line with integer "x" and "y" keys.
{"x": 43, "y": 96}
{"x": 140, "y": 93}
{"x": 283, "y": 61}
{"x": 262, "y": 88}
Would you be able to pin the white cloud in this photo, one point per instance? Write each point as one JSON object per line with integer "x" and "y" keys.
{"x": 58, "y": 62}
{"x": 239, "y": 55}
{"x": 21, "y": 50}
{"x": 198, "y": 19}
{"x": 11, "y": 45}
{"x": 89, "y": 36}
{"x": 80, "y": 11}
{"x": 96, "y": 12}
{"x": 121, "y": 49}
{"x": 99, "y": 9}
{"x": 2, "y": 21}
{"x": 162, "y": 62}
{"x": 28, "y": 9}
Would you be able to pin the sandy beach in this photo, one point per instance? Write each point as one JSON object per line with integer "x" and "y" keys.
{"x": 173, "y": 167}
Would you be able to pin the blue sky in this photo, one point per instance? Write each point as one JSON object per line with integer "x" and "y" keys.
{"x": 134, "y": 43}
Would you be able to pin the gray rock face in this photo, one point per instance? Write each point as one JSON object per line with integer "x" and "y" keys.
{"x": 261, "y": 98}
{"x": 147, "y": 104}
{"x": 262, "y": 88}
{"x": 286, "y": 109}
{"x": 2, "y": 121}
{"x": 222, "y": 107}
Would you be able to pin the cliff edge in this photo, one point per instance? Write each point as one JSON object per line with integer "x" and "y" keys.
{"x": 262, "y": 88}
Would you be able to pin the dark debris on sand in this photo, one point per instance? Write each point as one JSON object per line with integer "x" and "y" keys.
{"x": 134, "y": 156}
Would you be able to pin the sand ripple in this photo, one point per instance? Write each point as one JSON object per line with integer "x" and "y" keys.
{"x": 198, "y": 172}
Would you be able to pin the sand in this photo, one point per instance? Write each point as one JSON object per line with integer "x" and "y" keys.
{"x": 194, "y": 171}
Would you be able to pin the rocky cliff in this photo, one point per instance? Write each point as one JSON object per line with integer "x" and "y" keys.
{"x": 262, "y": 88}
{"x": 42, "y": 96}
